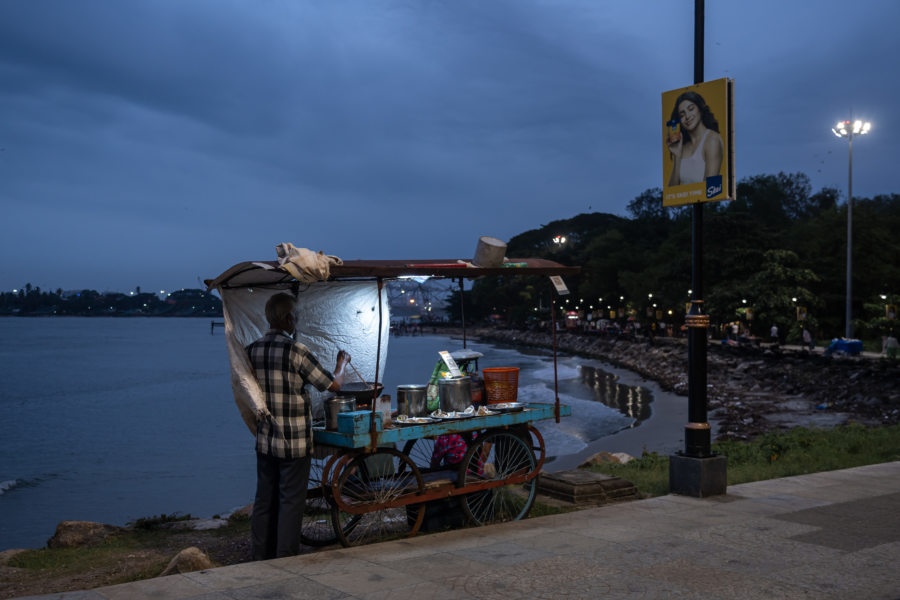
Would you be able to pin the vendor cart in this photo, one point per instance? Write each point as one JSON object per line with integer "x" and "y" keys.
{"x": 372, "y": 478}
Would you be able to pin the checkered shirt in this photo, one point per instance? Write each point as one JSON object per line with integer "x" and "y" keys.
{"x": 283, "y": 367}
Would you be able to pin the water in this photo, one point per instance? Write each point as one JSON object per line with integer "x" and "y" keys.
{"x": 112, "y": 419}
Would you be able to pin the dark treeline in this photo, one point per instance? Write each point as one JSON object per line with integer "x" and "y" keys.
{"x": 775, "y": 248}
{"x": 32, "y": 301}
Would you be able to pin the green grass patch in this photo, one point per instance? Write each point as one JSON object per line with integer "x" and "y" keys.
{"x": 777, "y": 454}
{"x": 542, "y": 509}
{"x": 81, "y": 559}
{"x": 76, "y": 560}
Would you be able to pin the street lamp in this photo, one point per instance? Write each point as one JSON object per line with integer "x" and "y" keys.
{"x": 848, "y": 130}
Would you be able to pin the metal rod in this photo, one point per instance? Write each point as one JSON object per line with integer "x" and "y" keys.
{"x": 848, "y": 325}
{"x": 555, "y": 377}
{"x": 462, "y": 310}
{"x": 373, "y": 432}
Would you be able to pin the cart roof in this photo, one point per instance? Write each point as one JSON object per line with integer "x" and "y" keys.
{"x": 268, "y": 273}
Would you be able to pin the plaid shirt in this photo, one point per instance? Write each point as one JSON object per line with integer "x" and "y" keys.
{"x": 283, "y": 367}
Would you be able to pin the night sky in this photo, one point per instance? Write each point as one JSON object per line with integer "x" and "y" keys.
{"x": 157, "y": 143}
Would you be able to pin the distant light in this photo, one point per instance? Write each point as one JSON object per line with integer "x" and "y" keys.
{"x": 15, "y": 291}
{"x": 412, "y": 300}
{"x": 793, "y": 299}
{"x": 884, "y": 296}
{"x": 846, "y": 129}
{"x": 162, "y": 291}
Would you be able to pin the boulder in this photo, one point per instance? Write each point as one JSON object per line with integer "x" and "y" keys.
{"x": 601, "y": 458}
{"x": 189, "y": 559}
{"x": 241, "y": 513}
{"x": 71, "y": 534}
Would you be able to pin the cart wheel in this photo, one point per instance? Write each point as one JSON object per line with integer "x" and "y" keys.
{"x": 373, "y": 498}
{"x": 316, "y": 528}
{"x": 419, "y": 452}
{"x": 507, "y": 460}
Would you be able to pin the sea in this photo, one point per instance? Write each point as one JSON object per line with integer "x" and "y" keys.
{"x": 115, "y": 419}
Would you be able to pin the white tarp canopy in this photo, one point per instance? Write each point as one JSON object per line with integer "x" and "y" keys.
{"x": 330, "y": 316}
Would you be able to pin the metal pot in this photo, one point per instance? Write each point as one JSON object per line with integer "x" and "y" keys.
{"x": 455, "y": 394}
{"x": 411, "y": 400}
{"x": 335, "y": 405}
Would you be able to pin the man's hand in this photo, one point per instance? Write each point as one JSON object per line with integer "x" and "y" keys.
{"x": 343, "y": 359}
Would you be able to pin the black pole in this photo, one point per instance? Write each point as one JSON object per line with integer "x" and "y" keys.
{"x": 697, "y": 438}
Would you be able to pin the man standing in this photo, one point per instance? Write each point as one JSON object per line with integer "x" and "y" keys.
{"x": 284, "y": 438}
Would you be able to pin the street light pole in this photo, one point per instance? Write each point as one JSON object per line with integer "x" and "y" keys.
{"x": 848, "y": 130}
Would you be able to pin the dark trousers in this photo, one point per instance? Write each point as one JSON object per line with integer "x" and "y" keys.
{"x": 280, "y": 498}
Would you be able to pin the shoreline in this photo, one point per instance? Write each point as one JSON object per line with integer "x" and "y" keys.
{"x": 750, "y": 390}
{"x": 662, "y": 432}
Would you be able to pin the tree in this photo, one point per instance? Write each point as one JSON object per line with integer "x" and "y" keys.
{"x": 780, "y": 286}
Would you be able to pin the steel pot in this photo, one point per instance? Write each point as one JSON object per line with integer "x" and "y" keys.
{"x": 336, "y": 405}
{"x": 412, "y": 400}
{"x": 455, "y": 394}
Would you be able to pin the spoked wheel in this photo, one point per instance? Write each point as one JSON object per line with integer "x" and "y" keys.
{"x": 505, "y": 462}
{"x": 372, "y": 497}
{"x": 316, "y": 528}
{"x": 419, "y": 452}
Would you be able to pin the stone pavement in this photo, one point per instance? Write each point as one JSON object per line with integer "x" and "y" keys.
{"x": 825, "y": 535}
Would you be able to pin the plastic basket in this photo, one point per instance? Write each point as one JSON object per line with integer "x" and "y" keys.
{"x": 501, "y": 384}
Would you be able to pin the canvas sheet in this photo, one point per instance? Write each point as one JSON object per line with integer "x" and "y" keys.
{"x": 331, "y": 316}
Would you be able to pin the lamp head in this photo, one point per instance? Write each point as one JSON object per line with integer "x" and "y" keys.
{"x": 846, "y": 128}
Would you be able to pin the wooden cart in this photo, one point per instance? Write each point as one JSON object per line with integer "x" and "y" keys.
{"x": 360, "y": 492}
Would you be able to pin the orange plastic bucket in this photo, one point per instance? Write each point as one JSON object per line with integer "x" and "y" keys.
{"x": 501, "y": 384}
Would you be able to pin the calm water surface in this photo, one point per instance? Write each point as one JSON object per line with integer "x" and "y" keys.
{"x": 113, "y": 419}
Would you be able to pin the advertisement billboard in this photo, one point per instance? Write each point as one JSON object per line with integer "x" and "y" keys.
{"x": 698, "y": 143}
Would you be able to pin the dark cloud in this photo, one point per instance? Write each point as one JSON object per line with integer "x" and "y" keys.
{"x": 167, "y": 140}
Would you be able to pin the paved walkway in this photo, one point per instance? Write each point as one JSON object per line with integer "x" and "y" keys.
{"x": 825, "y": 535}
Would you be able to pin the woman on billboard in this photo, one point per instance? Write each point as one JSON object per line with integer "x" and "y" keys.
{"x": 696, "y": 145}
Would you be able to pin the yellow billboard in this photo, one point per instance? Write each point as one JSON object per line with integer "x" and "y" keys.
{"x": 698, "y": 143}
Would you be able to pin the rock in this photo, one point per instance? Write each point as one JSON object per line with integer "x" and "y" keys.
{"x": 601, "y": 458}
{"x": 241, "y": 513}
{"x": 623, "y": 457}
{"x": 71, "y": 534}
{"x": 189, "y": 559}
